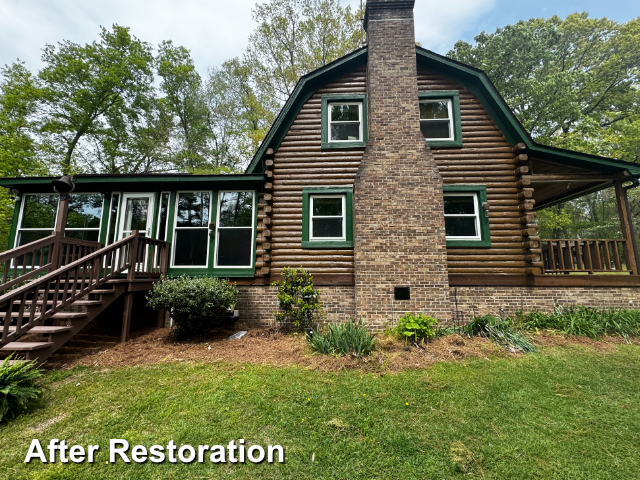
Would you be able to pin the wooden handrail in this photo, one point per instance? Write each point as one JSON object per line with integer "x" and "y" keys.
{"x": 78, "y": 278}
{"x": 571, "y": 255}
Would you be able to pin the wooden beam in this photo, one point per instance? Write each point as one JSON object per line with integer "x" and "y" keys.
{"x": 626, "y": 224}
{"x": 576, "y": 177}
{"x": 519, "y": 147}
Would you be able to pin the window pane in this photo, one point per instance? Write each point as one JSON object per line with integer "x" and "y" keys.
{"x": 236, "y": 209}
{"x": 39, "y": 211}
{"x": 32, "y": 236}
{"x": 191, "y": 247}
{"x": 434, "y": 110}
{"x": 234, "y": 247}
{"x": 136, "y": 214}
{"x": 435, "y": 129}
{"x": 327, "y": 206}
{"x": 345, "y": 113}
{"x": 113, "y": 216}
{"x": 84, "y": 211}
{"x": 91, "y": 235}
{"x": 346, "y": 131}
{"x": 327, "y": 227}
{"x": 162, "y": 219}
{"x": 460, "y": 226}
{"x": 28, "y": 237}
{"x": 462, "y": 205}
{"x": 193, "y": 209}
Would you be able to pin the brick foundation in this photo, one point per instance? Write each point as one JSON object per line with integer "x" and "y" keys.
{"x": 490, "y": 299}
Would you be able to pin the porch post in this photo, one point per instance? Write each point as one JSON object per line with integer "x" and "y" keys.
{"x": 61, "y": 223}
{"x": 626, "y": 225}
{"x": 128, "y": 296}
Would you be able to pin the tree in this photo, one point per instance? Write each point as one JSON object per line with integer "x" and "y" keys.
{"x": 572, "y": 83}
{"x": 82, "y": 88}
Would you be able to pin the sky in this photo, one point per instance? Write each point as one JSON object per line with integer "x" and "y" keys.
{"x": 216, "y": 30}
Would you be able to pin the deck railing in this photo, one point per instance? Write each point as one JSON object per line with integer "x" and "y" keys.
{"x": 31, "y": 304}
{"x": 585, "y": 255}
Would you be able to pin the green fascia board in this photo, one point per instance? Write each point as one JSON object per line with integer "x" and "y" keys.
{"x": 478, "y": 83}
{"x": 135, "y": 182}
{"x": 305, "y": 88}
{"x": 348, "y": 242}
{"x": 485, "y": 231}
{"x": 454, "y": 95}
{"x": 344, "y": 97}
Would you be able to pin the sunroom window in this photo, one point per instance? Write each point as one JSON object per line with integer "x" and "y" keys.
{"x": 38, "y": 219}
{"x": 345, "y": 122}
{"x": 327, "y": 217}
{"x": 234, "y": 245}
{"x": 436, "y": 119}
{"x": 84, "y": 217}
{"x": 191, "y": 232}
{"x": 461, "y": 216}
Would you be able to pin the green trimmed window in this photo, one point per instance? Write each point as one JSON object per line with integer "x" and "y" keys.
{"x": 344, "y": 121}
{"x": 465, "y": 219}
{"x": 327, "y": 218}
{"x": 440, "y": 118}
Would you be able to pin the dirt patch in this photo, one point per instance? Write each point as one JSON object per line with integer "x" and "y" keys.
{"x": 157, "y": 346}
{"x": 605, "y": 344}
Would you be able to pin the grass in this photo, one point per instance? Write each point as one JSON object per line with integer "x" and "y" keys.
{"x": 563, "y": 413}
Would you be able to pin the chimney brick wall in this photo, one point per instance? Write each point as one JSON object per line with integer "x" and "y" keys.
{"x": 398, "y": 203}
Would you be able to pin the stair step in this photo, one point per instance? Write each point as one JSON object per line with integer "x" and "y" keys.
{"x": 26, "y": 346}
{"x": 77, "y": 302}
{"x": 44, "y": 329}
{"x": 55, "y": 315}
{"x": 102, "y": 292}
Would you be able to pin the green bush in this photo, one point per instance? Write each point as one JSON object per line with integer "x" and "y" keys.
{"x": 299, "y": 302}
{"x": 18, "y": 389}
{"x": 586, "y": 321}
{"x": 501, "y": 331}
{"x": 342, "y": 339}
{"x": 195, "y": 304}
{"x": 418, "y": 327}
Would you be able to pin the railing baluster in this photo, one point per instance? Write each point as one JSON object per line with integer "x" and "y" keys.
{"x": 607, "y": 255}
{"x": 579, "y": 255}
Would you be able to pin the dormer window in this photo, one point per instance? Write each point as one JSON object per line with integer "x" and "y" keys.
{"x": 344, "y": 121}
{"x": 440, "y": 118}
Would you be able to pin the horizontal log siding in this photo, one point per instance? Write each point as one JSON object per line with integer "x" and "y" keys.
{"x": 486, "y": 158}
{"x": 299, "y": 162}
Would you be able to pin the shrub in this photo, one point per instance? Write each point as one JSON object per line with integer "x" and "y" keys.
{"x": 418, "y": 327}
{"x": 18, "y": 389}
{"x": 586, "y": 321}
{"x": 500, "y": 331}
{"x": 194, "y": 303}
{"x": 299, "y": 302}
{"x": 342, "y": 339}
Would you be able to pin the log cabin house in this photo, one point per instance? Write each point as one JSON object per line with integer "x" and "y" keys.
{"x": 398, "y": 177}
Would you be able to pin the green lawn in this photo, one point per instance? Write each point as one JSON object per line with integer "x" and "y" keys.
{"x": 570, "y": 413}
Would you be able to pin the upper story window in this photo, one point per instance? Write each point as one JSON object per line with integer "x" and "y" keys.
{"x": 440, "y": 121}
{"x": 344, "y": 123}
{"x": 465, "y": 221}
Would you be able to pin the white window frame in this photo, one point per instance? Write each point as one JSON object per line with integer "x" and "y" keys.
{"x": 450, "y": 113}
{"x": 218, "y": 228}
{"x": 475, "y": 215}
{"x": 99, "y": 229}
{"x": 176, "y": 228}
{"x": 329, "y": 122}
{"x": 23, "y": 203}
{"x": 166, "y": 222}
{"x": 343, "y": 197}
{"x": 117, "y": 219}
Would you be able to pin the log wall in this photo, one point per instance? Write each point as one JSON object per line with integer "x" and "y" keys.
{"x": 486, "y": 158}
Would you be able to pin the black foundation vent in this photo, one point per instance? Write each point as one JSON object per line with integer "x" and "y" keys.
{"x": 402, "y": 293}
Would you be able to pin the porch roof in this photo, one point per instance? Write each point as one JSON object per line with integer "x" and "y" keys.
{"x": 137, "y": 182}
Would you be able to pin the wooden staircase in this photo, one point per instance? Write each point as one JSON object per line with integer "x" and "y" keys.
{"x": 39, "y": 317}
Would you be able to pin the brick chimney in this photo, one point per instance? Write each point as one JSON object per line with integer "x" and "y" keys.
{"x": 398, "y": 203}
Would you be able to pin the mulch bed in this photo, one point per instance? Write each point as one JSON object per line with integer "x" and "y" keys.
{"x": 156, "y": 346}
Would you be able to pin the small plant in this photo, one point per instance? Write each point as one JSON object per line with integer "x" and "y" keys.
{"x": 18, "y": 389}
{"x": 418, "y": 327}
{"x": 299, "y": 302}
{"x": 343, "y": 339}
{"x": 501, "y": 331}
{"x": 195, "y": 304}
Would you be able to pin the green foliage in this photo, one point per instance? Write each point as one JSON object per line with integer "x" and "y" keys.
{"x": 18, "y": 387}
{"x": 501, "y": 331}
{"x": 343, "y": 339}
{"x": 586, "y": 321}
{"x": 418, "y": 327}
{"x": 299, "y": 302}
{"x": 194, "y": 303}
